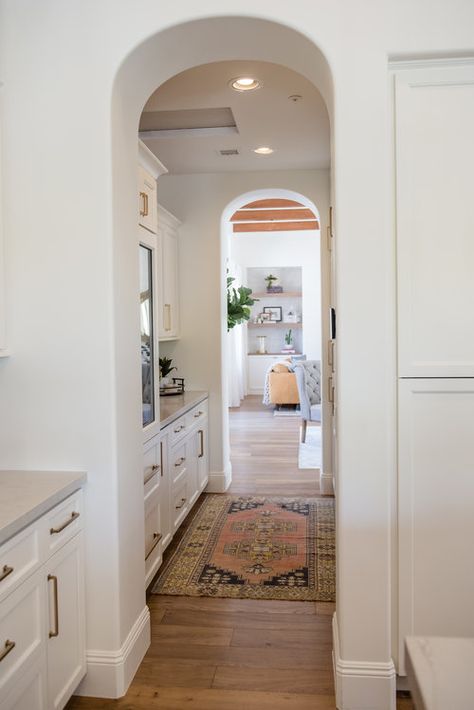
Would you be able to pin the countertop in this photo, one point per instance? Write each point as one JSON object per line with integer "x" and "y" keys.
{"x": 440, "y": 672}
{"x": 27, "y": 495}
{"x": 176, "y": 405}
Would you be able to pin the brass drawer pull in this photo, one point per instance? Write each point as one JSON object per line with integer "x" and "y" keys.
{"x": 9, "y": 646}
{"x": 149, "y": 476}
{"x": 167, "y": 316}
{"x": 52, "y": 578}
{"x": 201, "y": 436}
{"x": 5, "y": 572}
{"x": 157, "y": 537}
{"x": 55, "y": 531}
{"x": 183, "y": 501}
{"x": 144, "y": 209}
{"x": 180, "y": 461}
{"x": 198, "y": 414}
{"x": 180, "y": 428}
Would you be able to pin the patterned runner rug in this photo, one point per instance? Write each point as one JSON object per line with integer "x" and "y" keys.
{"x": 259, "y": 548}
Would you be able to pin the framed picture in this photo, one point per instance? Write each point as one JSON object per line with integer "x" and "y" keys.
{"x": 275, "y": 313}
{"x": 264, "y": 317}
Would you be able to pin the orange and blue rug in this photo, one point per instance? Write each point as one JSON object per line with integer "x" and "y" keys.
{"x": 255, "y": 548}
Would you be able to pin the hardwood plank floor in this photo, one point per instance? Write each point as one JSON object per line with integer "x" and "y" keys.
{"x": 227, "y": 654}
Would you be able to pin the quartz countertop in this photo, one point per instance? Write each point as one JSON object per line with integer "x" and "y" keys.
{"x": 440, "y": 672}
{"x": 27, "y": 495}
{"x": 175, "y": 406}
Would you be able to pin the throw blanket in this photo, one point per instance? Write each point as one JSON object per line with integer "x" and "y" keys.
{"x": 266, "y": 389}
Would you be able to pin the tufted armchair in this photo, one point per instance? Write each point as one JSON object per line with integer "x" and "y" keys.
{"x": 308, "y": 378}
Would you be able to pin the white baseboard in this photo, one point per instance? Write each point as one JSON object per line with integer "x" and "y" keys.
{"x": 326, "y": 484}
{"x": 219, "y": 481}
{"x": 109, "y": 673}
{"x": 362, "y": 685}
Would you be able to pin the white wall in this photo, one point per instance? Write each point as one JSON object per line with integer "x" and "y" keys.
{"x": 288, "y": 249}
{"x": 75, "y": 78}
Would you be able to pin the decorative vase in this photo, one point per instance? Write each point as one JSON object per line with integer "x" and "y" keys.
{"x": 261, "y": 344}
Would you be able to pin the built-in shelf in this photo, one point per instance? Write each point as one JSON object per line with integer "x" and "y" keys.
{"x": 277, "y": 324}
{"x": 282, "y": 354}
{"x": 284, "y": 294}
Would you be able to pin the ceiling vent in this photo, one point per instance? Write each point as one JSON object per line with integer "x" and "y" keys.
{"x": 229, "y": 151}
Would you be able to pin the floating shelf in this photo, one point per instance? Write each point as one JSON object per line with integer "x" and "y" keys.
{"x": 277, "y": 324}
{"x": 284, "y": 294}
{"x": 282, "y": 354}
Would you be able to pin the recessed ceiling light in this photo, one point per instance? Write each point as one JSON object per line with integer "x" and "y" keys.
{"x": 244, "y": 83}
{"x": 263, "y": 150}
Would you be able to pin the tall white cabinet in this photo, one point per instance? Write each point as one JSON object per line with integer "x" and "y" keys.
{"x": 434, "y": 149}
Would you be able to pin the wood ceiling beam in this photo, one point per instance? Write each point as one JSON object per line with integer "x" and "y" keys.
{"x": 275, "y": 226}
{"x": 272, "y": 215}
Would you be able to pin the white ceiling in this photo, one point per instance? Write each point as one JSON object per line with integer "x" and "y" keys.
{"x": 297, "y": 131}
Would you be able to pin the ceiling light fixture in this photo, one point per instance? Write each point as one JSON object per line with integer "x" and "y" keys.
{"x": 244, "y": 83}
{"x": 263, "y": 150}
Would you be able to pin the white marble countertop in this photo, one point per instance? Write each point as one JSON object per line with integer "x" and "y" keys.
{"x": 27, "y": 495}
{"x": 441, "y": 672}
{"x": 176, "y": 405}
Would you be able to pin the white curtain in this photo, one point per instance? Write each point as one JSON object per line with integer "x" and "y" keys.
{"x": 236, "y": 350}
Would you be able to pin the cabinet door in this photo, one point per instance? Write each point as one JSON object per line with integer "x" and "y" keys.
{"x": 66, "y": 644}
{"x": 170, "y": 314}
{"x": 147, "y": 201}
{"x": 29, "y": 692}
{"x": 436, "y": 524}
{"x": 434, "y": 112}
{"x": 202, "y": 454}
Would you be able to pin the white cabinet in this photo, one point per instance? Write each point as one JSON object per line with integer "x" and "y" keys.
{"x": 42, "y": 615}
{"x": 436, "y": 522}
{"x": 434, "y": 116}
{"x": 168, "y": 315}
{"x": 156, "y": 500}
{"x": 65, "y": 656}
{"x": 257, "y": 369}
{"x": 147, "y": 200}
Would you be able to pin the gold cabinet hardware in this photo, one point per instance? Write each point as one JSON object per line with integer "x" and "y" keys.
{"x": 181, "y": 460}
{"x": 144, "y": 207}
{"x": 331, "y": 393}
{"x": 9, "y": 646}
{"x": 156, "y": 538}
{"x": 150, "y": 475}
{"x": 180, "y": 428}
{"x": 183, "y": 501}
{"x": 55, "y": 531}
{"x": 161, "y": 458}
{"x": 198, "y": 414}
{"x": 5, "y": 572}
{"x": 201, "y": 436}
{"x": 331, "y": 354}
{"x": 52, "y": 578}
{"x": 167, "y": 317}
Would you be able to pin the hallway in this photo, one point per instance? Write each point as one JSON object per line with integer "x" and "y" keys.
{"x": 223, "y": 654}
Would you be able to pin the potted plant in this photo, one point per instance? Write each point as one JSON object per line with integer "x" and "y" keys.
{"x": 271, "y": 281}
{"x": 165, "y": 369}
{"x": 238, "y": 303}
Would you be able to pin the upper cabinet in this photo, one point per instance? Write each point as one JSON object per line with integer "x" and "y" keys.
{"x": 168, "y": 316}
{"x": 147, "y": 200}
{"x": 434, "y": 141}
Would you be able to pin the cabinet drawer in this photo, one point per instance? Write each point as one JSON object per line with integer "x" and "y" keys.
{"x": 19, "y": 557}
{"x": 21, "y": 631}
{"x": 197, "y": 414}
{"x": 153, "y": 540}
{"x": 179, "y": 503}
{"x": 178, "y": 456}
{"x": 64, "y": 521}
{"x": 177, "y": 430}
{"x": 151, "y": 462}
{"x": 30, "y": 692}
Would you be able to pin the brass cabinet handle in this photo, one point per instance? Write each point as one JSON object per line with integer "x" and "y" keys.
{"x": 331, "y": 392}
{"x": 144, "y": 208}
{"x": 149, "y": 476}
{"x": 198, "y": 414}
{"x": 9, "y": 646}
{"x": 5, "y": 572}
{"x": 201, "y": 436}
{"x": 161, "y": 458}
{"x": 55, "y": 531}
{"x": 52, "y": 578}
{"x": 331, "y": 353}
{"x": 180, "y": 461}
{"x": 180, "y": 428}
{"x": 183, "y": 501}
{"x": 156, "y": 538}
{"x": 167, "y": 316}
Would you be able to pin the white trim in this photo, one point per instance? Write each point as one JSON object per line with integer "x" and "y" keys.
{"x": 109, "y": 673}
{"x": 189, "y": 132}
{"x": 362, "y": 685}
{"x": 397, "y": 64}
{"x": 149, "y": 161}
{"x": 219, "y": 481}
{"x": 167, "y": 217}
{"x": 326, "y": 484}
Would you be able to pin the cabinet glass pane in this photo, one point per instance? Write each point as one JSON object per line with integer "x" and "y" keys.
{"x": 146, "y": 328}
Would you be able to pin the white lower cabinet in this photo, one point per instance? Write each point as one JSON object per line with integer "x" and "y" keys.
{"x": 42, "y": 615}
{"x": 176, "y": 471}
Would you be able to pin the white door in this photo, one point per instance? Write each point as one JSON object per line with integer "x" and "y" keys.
{"x": 170, "y": 315}
{"x": 436, "y": 521}
{"x": 434, "y": 117}
{"x": 66, "y": 644}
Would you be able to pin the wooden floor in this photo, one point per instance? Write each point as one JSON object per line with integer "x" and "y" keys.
{"x": 218, "y": 654}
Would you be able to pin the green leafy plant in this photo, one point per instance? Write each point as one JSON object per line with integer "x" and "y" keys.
{"x": 270, "y": 279}
{"x": 288, "y": 337}
{"x": 165, "y": 366}
{"x": 238, "y": 304}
